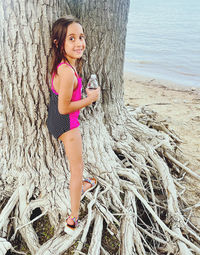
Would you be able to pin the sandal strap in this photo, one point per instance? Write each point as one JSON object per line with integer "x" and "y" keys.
{"x": 90, "y": 181}
{"x": 75, "y": 220}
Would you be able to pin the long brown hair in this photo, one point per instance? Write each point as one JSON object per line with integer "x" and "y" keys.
{"x": 58, "y": 35}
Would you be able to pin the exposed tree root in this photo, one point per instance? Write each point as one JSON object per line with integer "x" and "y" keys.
{"x": 137, "y": 198}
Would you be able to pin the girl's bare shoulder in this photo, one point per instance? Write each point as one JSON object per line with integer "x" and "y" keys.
{"x": 65, "y": 70}
{"x": 66, "y": 76}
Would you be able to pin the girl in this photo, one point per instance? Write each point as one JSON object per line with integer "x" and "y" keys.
{"x": 68, "y": 45}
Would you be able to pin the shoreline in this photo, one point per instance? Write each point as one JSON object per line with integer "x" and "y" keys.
{"x": 139, "y": 78}
{"x": 178, "y": 105}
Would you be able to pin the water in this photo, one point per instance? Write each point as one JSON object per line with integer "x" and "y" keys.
{"x": 163, "y": 40}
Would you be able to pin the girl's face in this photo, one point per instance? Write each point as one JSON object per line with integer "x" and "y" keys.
{"x": 74, "y": 42}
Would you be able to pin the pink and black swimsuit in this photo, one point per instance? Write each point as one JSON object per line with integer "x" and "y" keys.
{"x": 60, "y": 123}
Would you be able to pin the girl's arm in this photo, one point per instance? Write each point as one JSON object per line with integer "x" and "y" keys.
{"x": 66, "y": 86}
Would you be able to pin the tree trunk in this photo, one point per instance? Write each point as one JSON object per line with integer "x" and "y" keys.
{"x": 132, "y": 156}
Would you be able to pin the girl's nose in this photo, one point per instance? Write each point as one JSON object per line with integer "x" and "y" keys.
{"x": 79, "y": 42}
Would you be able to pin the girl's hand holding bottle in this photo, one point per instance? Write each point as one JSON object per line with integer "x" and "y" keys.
{"x": 93, "y": 89}
{"x": 93, "y": 94}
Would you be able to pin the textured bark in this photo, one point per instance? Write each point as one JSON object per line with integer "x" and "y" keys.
{"x": 131, "y": 154}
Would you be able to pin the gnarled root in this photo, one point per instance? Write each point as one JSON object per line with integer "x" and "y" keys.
{"x": 137, "y": 201}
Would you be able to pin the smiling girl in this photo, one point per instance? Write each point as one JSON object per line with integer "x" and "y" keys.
{"x": 68, "y": 45}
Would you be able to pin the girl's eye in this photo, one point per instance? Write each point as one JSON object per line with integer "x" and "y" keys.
{"x": 71, "y": 38}
{"x": 82, "y": 37}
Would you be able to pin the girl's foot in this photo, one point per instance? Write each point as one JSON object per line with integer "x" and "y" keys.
{"x": 88, "y": 184}
{"x": 71, "y": 224}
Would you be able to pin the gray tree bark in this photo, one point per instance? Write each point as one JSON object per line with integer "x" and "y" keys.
{"x": 131, "y": 154}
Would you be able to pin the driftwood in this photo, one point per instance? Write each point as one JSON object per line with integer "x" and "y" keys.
{"x": 138, "y": 194}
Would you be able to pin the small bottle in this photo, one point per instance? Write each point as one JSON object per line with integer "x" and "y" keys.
{"x": 93, "y": 83}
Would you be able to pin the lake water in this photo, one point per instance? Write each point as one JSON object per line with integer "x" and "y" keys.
{"x": 163, "y": 40}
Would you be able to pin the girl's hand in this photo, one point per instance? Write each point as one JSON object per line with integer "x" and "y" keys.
{"x": 93, "y": 94}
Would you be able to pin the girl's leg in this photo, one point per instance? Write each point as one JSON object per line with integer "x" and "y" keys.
{"x": 73, "y": 147}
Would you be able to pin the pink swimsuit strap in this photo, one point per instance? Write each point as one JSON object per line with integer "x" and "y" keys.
{"x": 52, "y": 87}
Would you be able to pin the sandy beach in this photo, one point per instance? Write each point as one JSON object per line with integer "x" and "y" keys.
{"x": 180, "y": 107}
